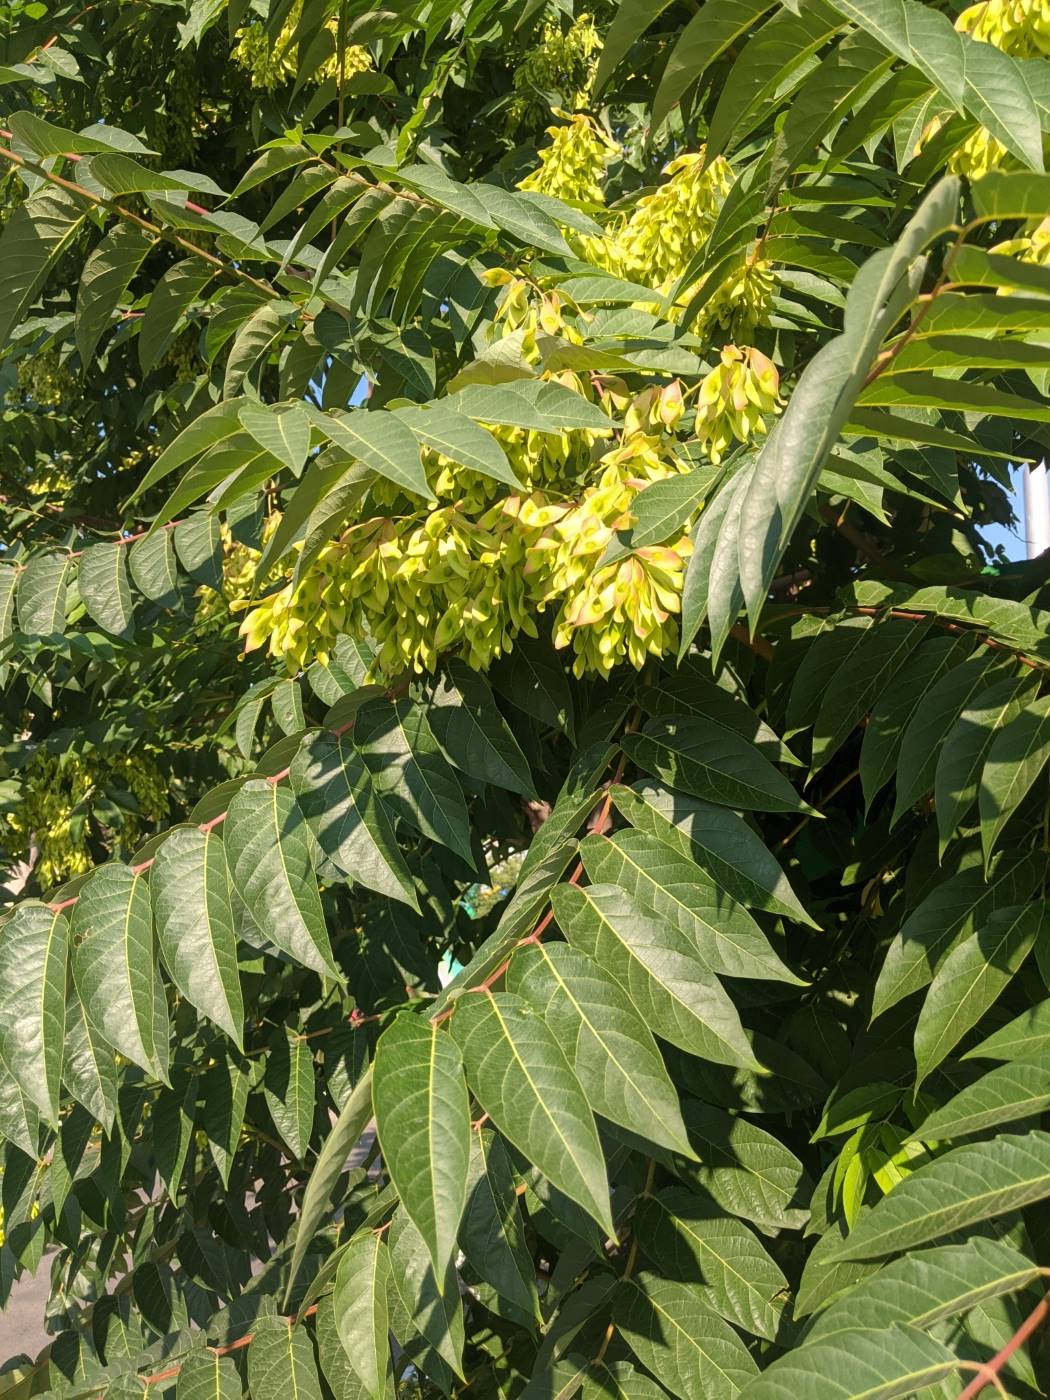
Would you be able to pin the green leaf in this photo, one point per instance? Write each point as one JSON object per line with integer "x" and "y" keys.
{"x": 965, "y": 749}
{"x": 343, "y": 1380}
{"x": 434, "y": 1311}
{"x": 884, "y": 650}
{"x": 712, "y": 30}
{"x": 794, "y": 454}
{"x": 33, "y": 954}
{"x": 469, "y": 727}
{"x": 283, "y": 430}
{"x": 347, "y": 1128}
{"x": 1022, "y": 1038}
{"x": 337, "y": 796}
{"x": 114, "y": 967}
{"x": 896, "y": 707}
{"x": 965, "y": 1186}
{"x": 516, "y": 214}
{"x": 172, "y": 297}
{"x": 215, "y": 425}
{"x": 36, "y": 234}
{"x": 362, "y": 1311}
{"x": 666, "y": 883}
{"x": 1017, "y": 756}
{"x": 89, "y": 1070}
{"x": 629, "y": 23}
{"x": 268, "y": 849}
{"x": 102, "y": 579}
{"x": 535, "y": 682}
{"x": 198, "y": 545}
{"x": 492, "y": 1232}
{"x": 657, "y": 967}
{"x": 152, "y": 564}
{"x": 1003, "y": 1095}
{"x": 423, "y": 1123}
{"x": 106, "y": 276}
{"x": 42, "y": 594}
{"x": 927, "y": 1287}
{"x": 660, "y": 512}
{"x": 605, "y": 1040}
{"x": 860, "y": 1366}
{"x": 944, "y": 918}
{"x": 461, "y": 440}
{"x": 205, "y": 1375}
{"x": 173, "y": 1118}
{"x": 411, "y": 773}
{"x": 288, "y": 1087}
{"x": 195, "y": 925}
{"x": 971, "y": 978}
{"x": 684, "y": 1236}
{"x": 281, "y": 1361}
{"x": 223, "y": 1096}
{"x": 718, "y": 840}
{"x": 618, "y": 1380}
{"x": 521, "y": 1078}
{"x": 711, "y": 762}
{"x": 683, "y": 1341}
{"x": 544, "y": 406}
{"x": 381, "y": 441}
{"x": 746, "y": 1170}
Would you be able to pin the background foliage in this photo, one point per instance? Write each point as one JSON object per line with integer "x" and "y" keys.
{"x": 496, "y": 490}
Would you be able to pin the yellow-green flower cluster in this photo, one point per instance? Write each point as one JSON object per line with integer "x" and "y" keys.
{"x": 272, "y": 62}
{"x": 563, "y": 62}
{"x": 742, "y": 302}
{"x": 1031, "y": 247}
{"x": 573, "y": 166}
{"x": 665, "y": 229}
{"x": 57, "y": 794}
{"x": 735, "y": 399}
{"x": 432, "y": 581}
{"x": 1019, "y": 27}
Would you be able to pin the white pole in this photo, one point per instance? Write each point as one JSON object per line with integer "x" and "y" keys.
{"x": 1036, "y": 510}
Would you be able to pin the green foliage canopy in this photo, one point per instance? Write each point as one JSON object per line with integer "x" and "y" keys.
{"x": 498, "y": 491}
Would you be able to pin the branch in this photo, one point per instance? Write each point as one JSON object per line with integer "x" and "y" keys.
{"x": 988, "y": 1374}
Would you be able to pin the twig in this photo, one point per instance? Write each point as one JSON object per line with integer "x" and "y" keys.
{"x": 988, "y": 1374}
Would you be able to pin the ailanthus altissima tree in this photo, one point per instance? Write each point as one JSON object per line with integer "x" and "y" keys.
{"x": 524, "y": 797}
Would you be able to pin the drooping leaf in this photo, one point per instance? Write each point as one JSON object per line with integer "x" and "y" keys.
{"x": 605, "y": 1040}
{"x": 362, "y": 1311}
{"x": 683, "y": 1341}
{"x": 411, "y": 773}
{"x": 434, "y": 1309}
{"x": 492, "y": 1232}
{"x": 953, "y": 1192}
{"x": 268, "y": 849}
{"x": 1016, "y": 757}
{"x": 33, "y": 960}
{"x": 337, "y": 796}
{"x": 193, "y": 908}
{"x": 469, "y": 727}
{"x": 103, "y": 583}
{"x": 423, "y": 1124}
{"x": 658, "y": 968}
{"x": 288, "y": 1087}
{"x": 683, "y": 1235}
{"x": 114, "y": 966}
{"x": 971, "y": 977}
{"x": 521, "y": 1078}
{"x": 42, "y": 594}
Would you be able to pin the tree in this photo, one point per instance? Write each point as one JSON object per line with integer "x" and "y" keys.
{"x": 498, "y": 638}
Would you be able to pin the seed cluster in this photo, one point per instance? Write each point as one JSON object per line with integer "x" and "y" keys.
{"x": 58, "y": 797}
{"x": 478, "y": 564}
